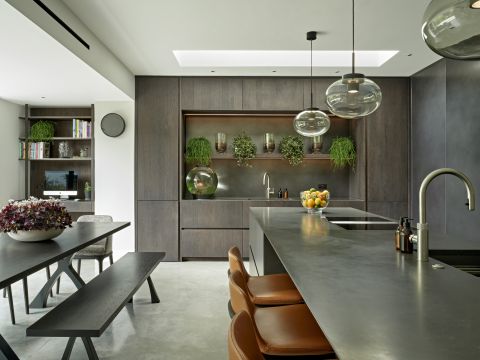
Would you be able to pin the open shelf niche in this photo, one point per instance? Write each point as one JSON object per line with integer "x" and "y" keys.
{"x": 35, "y": 169}
{"x": 238, "y": 182}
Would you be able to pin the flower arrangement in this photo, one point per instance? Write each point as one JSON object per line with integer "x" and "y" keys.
{"x": 34, "y": 214}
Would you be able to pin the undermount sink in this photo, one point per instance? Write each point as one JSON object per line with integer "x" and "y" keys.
{"x": 465, "y": 260}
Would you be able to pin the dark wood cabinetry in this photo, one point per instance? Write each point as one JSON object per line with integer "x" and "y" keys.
{"x": 273, "y": 94}
{"x": 157, "y": 227}
{"x": 211, "y": 94}
{"x": 205, "y": 243}
{"x": 157, "y": 112}
{"x": 387, "y": 150}
{"x": 206, "y": 214}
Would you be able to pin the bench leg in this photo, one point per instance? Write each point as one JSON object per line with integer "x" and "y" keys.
{"x": 153, "y": 292}
{"x": 49, "y": 275}
{"x": 92, "y": 354}
{"x": 68, "y": 348}
{"x": 10, "y": 304}
{"x": 6, "y": 351}
{"x": 64, "y": 265}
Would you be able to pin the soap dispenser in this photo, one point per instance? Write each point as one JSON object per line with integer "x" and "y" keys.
{"x": 398, "y": 232}
{"x": 406, "y": 246}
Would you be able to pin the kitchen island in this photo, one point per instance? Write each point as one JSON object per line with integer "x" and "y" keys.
{"x": 371, "y": 301}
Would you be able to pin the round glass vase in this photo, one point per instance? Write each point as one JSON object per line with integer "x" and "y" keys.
{"x": 202, "y": 182}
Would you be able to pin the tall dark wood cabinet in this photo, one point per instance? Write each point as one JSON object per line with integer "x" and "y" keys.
{"x": 387, "y": 150}
{"x": 156, "y": 144}
{"x": 211, "y": 93}
{"x": 273, "y": 94}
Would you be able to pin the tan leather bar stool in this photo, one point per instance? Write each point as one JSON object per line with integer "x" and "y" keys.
{"x": 289, "y": 330}
{"x": 266, "y": 290}
{"x": 242, "y": 343}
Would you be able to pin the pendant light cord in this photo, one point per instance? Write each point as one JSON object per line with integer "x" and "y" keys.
{"x": 353, "y": 36}
{"x": 311, "y": 74}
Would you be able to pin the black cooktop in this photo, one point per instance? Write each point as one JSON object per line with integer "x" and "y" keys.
{"x": 357, "y": 218}
{"x": 387, "y": 226}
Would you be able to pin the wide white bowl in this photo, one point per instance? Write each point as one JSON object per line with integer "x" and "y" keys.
{"x": 35, "y": 235}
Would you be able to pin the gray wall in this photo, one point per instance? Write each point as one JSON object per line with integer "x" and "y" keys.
{"x": 445, "y": 130}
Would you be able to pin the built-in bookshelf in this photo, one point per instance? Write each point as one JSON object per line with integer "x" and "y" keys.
{"x": 74, "y": 126}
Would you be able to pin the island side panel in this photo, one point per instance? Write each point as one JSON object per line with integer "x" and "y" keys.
{"x": 256, "y": 238}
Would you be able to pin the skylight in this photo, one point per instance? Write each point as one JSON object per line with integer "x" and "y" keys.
{"x": 281, "y": 58}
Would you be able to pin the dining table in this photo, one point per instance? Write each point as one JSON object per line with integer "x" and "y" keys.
{"x": 20, "y": 259}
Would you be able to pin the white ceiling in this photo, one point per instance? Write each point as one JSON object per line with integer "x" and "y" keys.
{"x": 143, "y": 33}
{"x": 34, "y": 65}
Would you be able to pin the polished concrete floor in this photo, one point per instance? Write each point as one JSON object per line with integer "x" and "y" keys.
{"x": 191, "y": 321}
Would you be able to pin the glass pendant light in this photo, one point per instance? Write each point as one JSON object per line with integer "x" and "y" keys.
{"x": 311, "y": 122}
{"x": 353, "y": 95}
{"x": 451, "y": 28}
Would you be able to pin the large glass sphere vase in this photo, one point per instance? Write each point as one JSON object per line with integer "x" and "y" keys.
{"x": 202, "y": 182}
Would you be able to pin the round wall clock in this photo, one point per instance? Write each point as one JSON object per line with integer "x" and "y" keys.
{"x": 113, "y": 125}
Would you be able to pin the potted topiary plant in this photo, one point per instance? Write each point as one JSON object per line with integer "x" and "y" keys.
{"x": 42, "y": 132}
{"x": 342, "y": 152}
{"x": 34, "y": 219}
{"x": 87, "y": 191}
{"x": 244, "y": 149}
{"x": 201, "y": 181}
{"x": 291, "y": 147}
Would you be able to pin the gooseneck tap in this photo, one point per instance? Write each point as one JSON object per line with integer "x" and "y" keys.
{"x": 266, "y": 181}
{"x": 422, "y": 226}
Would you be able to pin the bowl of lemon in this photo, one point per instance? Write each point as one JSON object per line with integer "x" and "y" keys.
{"x": 315, "y": 200}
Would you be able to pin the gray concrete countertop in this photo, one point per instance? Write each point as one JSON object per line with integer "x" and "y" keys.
{"x": 371, "y": 301}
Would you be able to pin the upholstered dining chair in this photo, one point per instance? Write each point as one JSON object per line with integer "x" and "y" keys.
{"x": 7, "y": 292}
{"x": 98, "y": 251}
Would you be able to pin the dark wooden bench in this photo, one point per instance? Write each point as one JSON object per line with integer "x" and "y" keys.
{"x": 90, "y": 310}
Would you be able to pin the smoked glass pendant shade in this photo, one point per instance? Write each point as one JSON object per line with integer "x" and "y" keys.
{"x": 311, "y": 122}
{"x": 451, "y": 28}
{"x": 353, "y": 96}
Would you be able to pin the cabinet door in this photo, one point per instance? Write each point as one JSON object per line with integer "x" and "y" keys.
{"x": 211, "y": 94}
{"x": 157, "y": 119}
{"x": 387, "y": 148}
{"x": 207, "y": 214}
{"x": 273, "y": 94}
{"x": 203, "y": 243}
{"x": 157, "y": 227}
{"x": 319, "y": 87}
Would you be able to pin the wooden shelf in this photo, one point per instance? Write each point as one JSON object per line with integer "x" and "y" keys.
{"x": 46, "y": 117}
{"x": 274, "y": 156}
{"x": 63, "y": 159}
{"x": 63, "y": 138}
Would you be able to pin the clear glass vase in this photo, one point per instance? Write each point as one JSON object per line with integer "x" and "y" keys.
{"x": 202, "y": 182}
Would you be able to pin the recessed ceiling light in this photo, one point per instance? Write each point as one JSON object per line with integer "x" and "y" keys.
{"x": 212, "y": 70}
{"x": 43, "y": 97}
{"x": 409, "y": 55}
{"x": 337, "y": 72}
{"x": 274, "y": 70}
{"x": 475, "y": 4}
{"x": 280, "y": 58}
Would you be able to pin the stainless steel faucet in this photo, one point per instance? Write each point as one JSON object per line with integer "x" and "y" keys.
{"x": 268, "y": 190}
{"x": 422, "y": 226}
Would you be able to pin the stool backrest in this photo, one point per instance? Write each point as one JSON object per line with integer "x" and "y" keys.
{"x": 235, "y": 262}
{"x": 239, "y": 297}
{"x": 242, "y": 343}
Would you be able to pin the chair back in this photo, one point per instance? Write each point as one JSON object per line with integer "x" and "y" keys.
{"x": 235, "y": 262}
{"x": 107, "y": 242}
{"x": 239, "y": 297}
{"x": 242, "y": 343}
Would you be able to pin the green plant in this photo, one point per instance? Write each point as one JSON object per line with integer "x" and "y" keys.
{"x": 42, "y": 131}
{"x": 342, "y": 152}
{"x": 198, "y": 152}
{"x": 244, "y": 149}
{"x": 291, "y": 147}
{"x": 88, "y": 187}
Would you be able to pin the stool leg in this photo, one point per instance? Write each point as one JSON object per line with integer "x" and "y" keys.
{"x": 10, "y": 304}
{"x": 68, "y": 348}
{"x": 48, "y": 278}
{"x": 25, "y": 295}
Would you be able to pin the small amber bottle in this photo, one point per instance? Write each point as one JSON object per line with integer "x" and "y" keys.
{"x": 285, "y": 194}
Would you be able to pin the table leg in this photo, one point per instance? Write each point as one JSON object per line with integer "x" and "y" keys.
{"x": 6, "y": 352}
{"x": 65, "y": 266}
